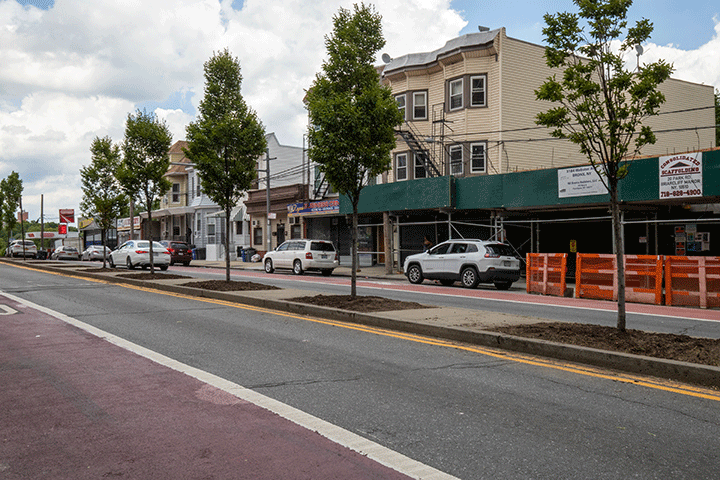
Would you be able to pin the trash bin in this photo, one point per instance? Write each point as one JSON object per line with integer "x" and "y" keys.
{"x": 200, "y": 253}
{"x": 249, "y": 254}
{"x": 241, "y": 253}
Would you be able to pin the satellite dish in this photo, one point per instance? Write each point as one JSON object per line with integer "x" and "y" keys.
{"x": 386, "y": 58}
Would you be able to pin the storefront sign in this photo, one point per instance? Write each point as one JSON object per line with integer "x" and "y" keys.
{"x": 67, "y": 215}
{"x": 681, "y": 176}
{"x": 320, "y": 207}
{"x": 579, "y": 182}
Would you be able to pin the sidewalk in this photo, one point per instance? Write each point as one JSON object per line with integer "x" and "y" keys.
{"x": 77, "y": 406}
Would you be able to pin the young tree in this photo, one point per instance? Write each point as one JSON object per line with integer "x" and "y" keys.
{"x": 599, "y": 105}
{"x": 352, "y": 116}
{"x": 103, "y": 197}
{"x": 12, "y": 188}
{"x": 146, "y": 160}
{"x": 226, "y": 140}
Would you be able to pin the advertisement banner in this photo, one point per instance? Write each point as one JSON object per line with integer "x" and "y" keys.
{"x": 681, "y": 176}
{"x": 320, "y": 207}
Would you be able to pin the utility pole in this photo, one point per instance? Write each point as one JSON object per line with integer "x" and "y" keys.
{"x": 22, "y": 229}
{"x": 42, "y": 224}
{"x": 267, "y": 197}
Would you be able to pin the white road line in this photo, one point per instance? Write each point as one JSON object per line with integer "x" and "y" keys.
{"x": 345, "y": 438}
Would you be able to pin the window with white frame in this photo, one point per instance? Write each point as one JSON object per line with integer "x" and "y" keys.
{"x": 419, "y": 167}
{"x": 400, "y": 99}
{"x": 419, "y": 105}
{"x": 456, "y": 94}
{"x": 456, "y": 160}
{"x": 477, "y": 157}
{"x": 192, "y": 185}
{"x": 477, "y": 91}
{"x": 401, "y": 166}
{"x": 175, "y": 193}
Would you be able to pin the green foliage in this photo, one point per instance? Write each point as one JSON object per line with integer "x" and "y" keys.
{"x": 352, "y": 116}
{"x": 227, "y": 138}
{"x": 103, "y": 197}
{"x": 598, "y": 104}
{"x": 146, "y": 158}
{"x": 11, "y": 188}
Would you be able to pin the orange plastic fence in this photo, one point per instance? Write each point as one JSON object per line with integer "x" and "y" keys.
{"x": 596, "y": 277}
{"x": 692, "y": 281}
{"x": 545, "y": 273}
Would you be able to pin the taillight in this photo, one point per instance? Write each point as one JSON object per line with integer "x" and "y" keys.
{"x": 308, "y": 256}
{"x": 488, "y": 255}
{"x": 141, "y": 251}
{"x": 336, "y": 257}
{"x": 171, "y": 250}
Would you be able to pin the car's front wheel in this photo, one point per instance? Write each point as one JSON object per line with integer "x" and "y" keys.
{"x": 297, "y": 267}
{"x": 414, "y": 274}
{"x": 469, "y": 277}
{"x": 112, "y": 264}
{"x": 503, "y": 285}
{"x": 269, "y": 266}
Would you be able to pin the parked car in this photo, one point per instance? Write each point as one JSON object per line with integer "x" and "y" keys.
{"x": 180, "y": 252}
{"x": 95, "y": 252}
{"x": 64, "y": 252}
{"x": 302, "y": 255}
{"x": 16, "y": 249}
{"x": 136, "y": 253}
{"x": 468, "y": 261}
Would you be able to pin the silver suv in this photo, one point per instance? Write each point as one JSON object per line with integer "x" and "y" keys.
{"x": 301, "y": 255}
{"x": 468, "y": 261}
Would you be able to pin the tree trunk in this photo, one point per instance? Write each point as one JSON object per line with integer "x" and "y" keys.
{"x": 353, "y": 276}
{"x": 227, "y": 244}
{"x": 152, "y": 260}
{"x": 619, "y": 254}
{"x": 103, "y": 238}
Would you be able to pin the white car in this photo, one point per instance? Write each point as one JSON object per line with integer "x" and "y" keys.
{"x": 301, "y": 255}
{"x": 136, "y": 253}
{"x": 20, "y": 248}
{"x": 64, "y": 252}
{"x": 95, "y": 252}
{"x": 468, "y": 261}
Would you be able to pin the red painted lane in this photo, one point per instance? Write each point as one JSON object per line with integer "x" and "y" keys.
{"x": 492, "y": 294}
{"x": 75, "y": 406}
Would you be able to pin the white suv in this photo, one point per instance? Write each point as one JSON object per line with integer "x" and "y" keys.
{"x": 20, "y": 248}
{"x": 301, "y": 255}
{"x": 468, "y": 261}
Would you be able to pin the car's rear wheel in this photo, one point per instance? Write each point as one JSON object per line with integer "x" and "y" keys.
{"x": 503, "y": 285}
{"x": 112, "y": 264}
{"x": 269, "y": 266}
{"x": 414, "y": 274}
{"x": 326, "y": 272}
{"x": 297, "y": 267}
{"x": 447, "y": 282}
{"x": 129, "y": 264}
{"x": 469, "y": 277}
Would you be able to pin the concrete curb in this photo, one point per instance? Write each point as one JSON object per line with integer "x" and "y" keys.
{"x": 698, "y": 374}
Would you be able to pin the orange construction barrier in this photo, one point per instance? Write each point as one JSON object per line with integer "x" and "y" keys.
{"x": 545, "y": 273}
{"x": 692, "y": 281}
{"x": 596, "y": 277}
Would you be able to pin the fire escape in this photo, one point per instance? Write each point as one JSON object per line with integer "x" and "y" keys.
{"x": 429, "y": 151}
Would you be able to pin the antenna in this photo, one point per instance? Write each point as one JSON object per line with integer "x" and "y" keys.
{"x": 386, "y": 58}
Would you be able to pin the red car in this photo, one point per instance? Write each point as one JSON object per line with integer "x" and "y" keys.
{"x": 180, "y": 252}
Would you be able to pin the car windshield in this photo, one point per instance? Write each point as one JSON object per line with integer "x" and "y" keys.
{"x": 500, "y": 249}
{"x": 322, "y": 247}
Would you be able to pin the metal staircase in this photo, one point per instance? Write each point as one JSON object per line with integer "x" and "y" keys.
{"x": 419, "y": 150}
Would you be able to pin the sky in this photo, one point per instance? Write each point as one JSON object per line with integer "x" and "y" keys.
{"x": 73, "y": 70}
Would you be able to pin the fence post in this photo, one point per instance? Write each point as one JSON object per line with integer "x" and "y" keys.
{"x": 545, "y": 273}
{"x": 528, "y": 274}
{"x": 668, "y": 280}
{"x": 578, "y": 278}
{"x": 702, "y": 282}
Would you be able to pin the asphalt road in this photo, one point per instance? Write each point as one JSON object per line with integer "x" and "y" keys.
{"x": 462, "y": 411}
{"x": 485, "y": 298}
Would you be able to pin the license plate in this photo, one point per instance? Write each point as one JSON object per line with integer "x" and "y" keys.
{"x": 506, "y": 263}
{"x": 323, "y": 257}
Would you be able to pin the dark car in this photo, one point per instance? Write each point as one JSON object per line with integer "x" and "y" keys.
{"x": 180, "y": 252}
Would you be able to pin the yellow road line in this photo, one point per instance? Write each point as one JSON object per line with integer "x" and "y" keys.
{"x": 658, "y": 384}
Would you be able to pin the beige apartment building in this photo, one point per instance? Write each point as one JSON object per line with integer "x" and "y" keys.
{"x": 470, "y": 110}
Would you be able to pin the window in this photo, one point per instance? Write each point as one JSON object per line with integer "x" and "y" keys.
{"x": 175, "y": 193}
{"x": 456, "y": 160}
{"x": 257, "y": 236}
{"x": 199, "y": 225}
{"x": 477, "y": 91}
{"x": 401, "y": 161}
{"x": 420, "y": 106}
{"x": 197, "y": 194}
{"x": 296, "y": 231}
{"x": 192, "y": 186}
{"x": 239, "y": 228}
{"x": 477, "y": 158}
{"x": 400, "y": 99}
{"x": 456, "y": 94}
{"x": 211, "y": 229}
{"x": 419, "y": 167}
